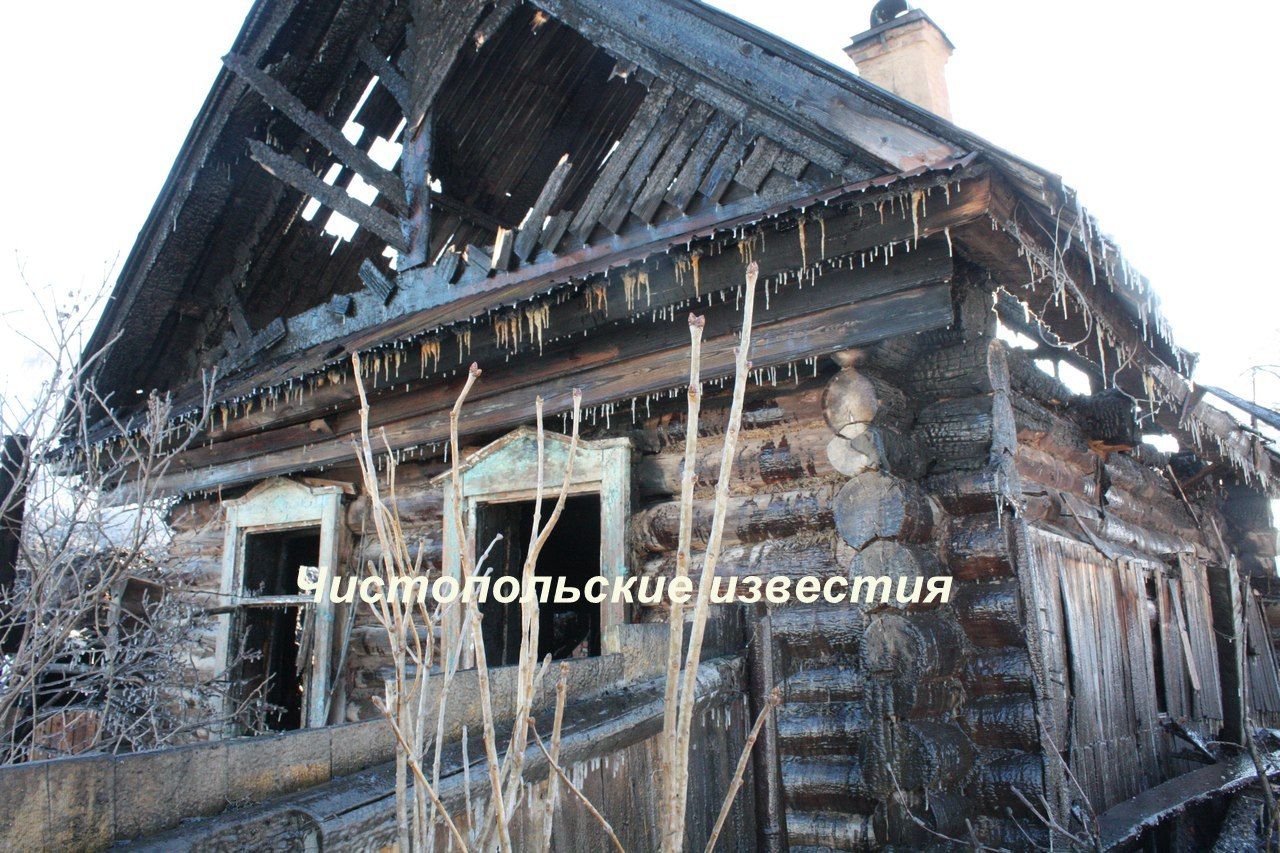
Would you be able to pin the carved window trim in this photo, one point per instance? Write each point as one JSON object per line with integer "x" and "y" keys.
{"x": 275, "y": 505}
{"x": 507, "y": 471}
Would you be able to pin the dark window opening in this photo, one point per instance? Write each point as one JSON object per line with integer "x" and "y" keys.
{"x": 571, "y": 552}
{"x": 269, "y": 636}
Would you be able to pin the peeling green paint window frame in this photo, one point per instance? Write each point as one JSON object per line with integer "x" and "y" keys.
{"x": 507, "y": 470}
{"x": 274, "y": 505}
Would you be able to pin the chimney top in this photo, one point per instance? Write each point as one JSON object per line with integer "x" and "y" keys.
{"x": 906, "y": 53}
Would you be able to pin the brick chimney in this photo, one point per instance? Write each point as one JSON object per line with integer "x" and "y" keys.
{"x": 906, "y": 53}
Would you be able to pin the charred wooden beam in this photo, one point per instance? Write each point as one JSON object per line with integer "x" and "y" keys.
{"x": 929, "y": 262}
{"x": 646, "y": 116}
{"x": 415, "y": 163}
{"x": 502, "y": 245}
{"x": 298, "y": 176}
{"x": 388, "y": 75}
{"x": 664, "y": 171}
{"x": 341, "y": 305}
{"x": 322, "y": 131}
{"x": 848, "y": 231}
{"x": 257, "y": 343}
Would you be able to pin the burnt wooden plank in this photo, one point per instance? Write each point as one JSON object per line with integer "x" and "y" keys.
{"x": 615, "y": 211}
{"x": 440, "y": 32}
{"x": 726, "y": 164}
{"x": 341, "y": 305}
{"x": 759, "y": 162}
{"x": 699, "y": 160}
{"x": 532, "y": 227}
{"x": 321, "y": 130}
{"x": 616, "y": 166}
{"x": 376, "y": 281}
{"x": 478, "y": 259}
{"x": 554, "y": 230}
{"x": 256, "y": 344}
{"x": 664, "y": 172}
{"x": 790, "y": 164}
{"x": 304, "y": 180}
{"x": 502, "y": 246}
{"x": 415, "y": 164}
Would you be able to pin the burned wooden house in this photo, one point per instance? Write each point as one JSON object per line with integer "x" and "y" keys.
{"x": 548, "y": 188}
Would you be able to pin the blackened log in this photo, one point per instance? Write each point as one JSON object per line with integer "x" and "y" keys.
{"x": 854, "y": 399}
{"x": 750, "y": 519}
{"x": 977, "y": 548}
{"x": 876, "y": 448}
{"x": 1002, "y": 722}
{"x": 1109, "y": 421}
{"x": 783, "y": 456}
{"x": 878, "y": 506}
{"x": 990, "y": 613}
{"x": 922, "y": 753}
{"x": 415, "y": 166}
{"x": 913, "y": 645}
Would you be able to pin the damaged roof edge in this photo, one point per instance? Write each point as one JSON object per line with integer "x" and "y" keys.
{"x": 260, "y": 25}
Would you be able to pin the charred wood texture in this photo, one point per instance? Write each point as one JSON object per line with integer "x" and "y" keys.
{"x": 955, "y": 433}
{"x": 902, "y": 563}
{"x": 876, "y": 448}
{"x": 877, "y": 506}
{"x": 855, "y": 400}
{"x": 758, "y": 518}
{"x": 763, "y": 462}
{"x": 1110, "y": 422}
{"x": 990, "y": 613}
{"x": 977, "y": 548}
{"x": 913, "y": 646}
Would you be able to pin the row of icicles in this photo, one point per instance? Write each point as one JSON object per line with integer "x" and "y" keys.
{"x": 382, "y": 367}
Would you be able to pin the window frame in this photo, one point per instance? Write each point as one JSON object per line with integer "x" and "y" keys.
{"x": 276, "y": 505}
{"x": 507, "y": 471}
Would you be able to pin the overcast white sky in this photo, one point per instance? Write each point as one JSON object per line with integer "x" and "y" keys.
{"x": 1161, "y": 114}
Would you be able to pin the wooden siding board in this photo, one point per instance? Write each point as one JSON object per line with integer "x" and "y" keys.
{"x": 619, "y": 161}
{"x": 664, "y": 172}
{"x": 619, "y": 204}
{"x": 699, "y": 160}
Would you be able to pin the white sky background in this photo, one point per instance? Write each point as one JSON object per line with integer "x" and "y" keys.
{"x": 1161, "y": 114}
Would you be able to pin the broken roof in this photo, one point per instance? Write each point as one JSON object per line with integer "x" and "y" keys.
{"x": 516, "y": 89}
